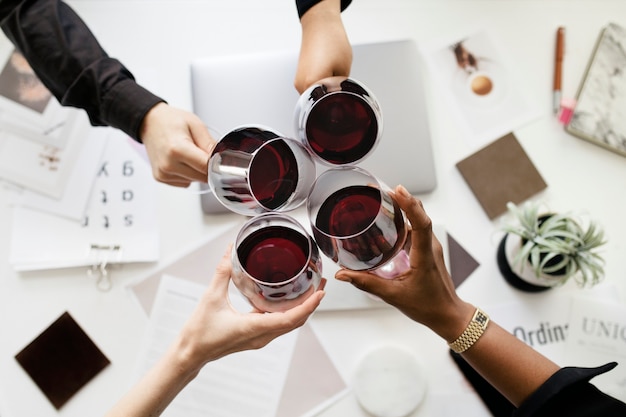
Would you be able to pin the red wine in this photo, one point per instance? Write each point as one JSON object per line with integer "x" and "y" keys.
{"x": 341, "y": 128}
{"x": 274, "y": 254}
{"x": 274, "y": 174}
{"x": 355, "y": 210}
{"x": 349, "y": 211}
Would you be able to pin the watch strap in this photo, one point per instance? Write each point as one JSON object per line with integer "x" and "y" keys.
{"x": 472, "y": 332}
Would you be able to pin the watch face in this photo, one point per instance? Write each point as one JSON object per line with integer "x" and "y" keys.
{"x": 481, "y": 318}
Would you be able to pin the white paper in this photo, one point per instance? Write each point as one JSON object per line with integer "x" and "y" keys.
{"x": 28, "y": 109}
{"x": 543, "y": 320}
{"x": 598, "y": 336}
{"x": 243, "y": 384}
{"x": 121, "y": 214}
{"x": 485, "y": 112}
{"x": 75, "y": 199}
{"x": 540, "y": 323}
{"x": 38, "y": 166}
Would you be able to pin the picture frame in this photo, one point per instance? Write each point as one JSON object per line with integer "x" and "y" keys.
{"x": 28, "y": 109}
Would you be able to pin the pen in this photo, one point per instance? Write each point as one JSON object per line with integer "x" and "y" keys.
{"x": 558, "y": 61}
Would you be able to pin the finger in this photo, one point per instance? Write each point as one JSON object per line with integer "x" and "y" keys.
{"x": 365, "y": 281}
{"x": 201, "y": 135}
{"x": 187, "y": 161}
{"x": 181, "y": 183}
{"x": 204, "y": 141}
{"x": 175, "y": 170}
{"x": 223, "y": 271}
{"x": 294, "y": 317}
{"x": 421, "y": 225}
{"x": 195, "y": 164}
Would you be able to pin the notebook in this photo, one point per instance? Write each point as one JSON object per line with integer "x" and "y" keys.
{"x": 600, "y": 112}
{"x": 234, "y": 90}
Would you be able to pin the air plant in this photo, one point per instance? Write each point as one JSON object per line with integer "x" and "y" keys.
{"x": 558, "y": 244}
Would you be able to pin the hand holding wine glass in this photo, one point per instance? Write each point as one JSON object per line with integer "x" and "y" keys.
{"x": 339, "y": 120}
{"x": 254, "y": 169}
{"x": 357, "y": 223}
{"x": 276, "y": 264}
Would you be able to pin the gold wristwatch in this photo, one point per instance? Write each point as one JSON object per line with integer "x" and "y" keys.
{"x": 472, "y": 332}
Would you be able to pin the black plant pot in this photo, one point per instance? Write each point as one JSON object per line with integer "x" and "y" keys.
{"x": 511, "y": 277}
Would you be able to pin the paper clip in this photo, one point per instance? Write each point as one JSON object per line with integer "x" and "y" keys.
{"x": 99, "y": 269}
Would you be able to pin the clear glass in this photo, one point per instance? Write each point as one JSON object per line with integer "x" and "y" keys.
{"x": 254, "y": 170}
{"x": 357, "y": 223}
{"x": 276, "y": 264}
{"x": 339, "y": 121}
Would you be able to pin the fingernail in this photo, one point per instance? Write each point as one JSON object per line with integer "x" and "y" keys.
{"x": 403, "y": 191}
{"x": 342, "y": 277}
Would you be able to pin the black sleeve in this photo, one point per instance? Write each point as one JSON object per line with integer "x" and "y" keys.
{"x": 566, "y": 393}
{"x": 70, "y": 62}
{"x": 569, "y": 393}
{"x": 304, "y": 5}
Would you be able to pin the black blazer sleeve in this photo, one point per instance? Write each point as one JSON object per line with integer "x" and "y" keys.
{"x": 304, "y": 5}
{"x": 569, "y": 393}
{"x": 70, "y": 62}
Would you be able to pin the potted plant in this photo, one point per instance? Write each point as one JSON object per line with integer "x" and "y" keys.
{"x": 541, "y": 251}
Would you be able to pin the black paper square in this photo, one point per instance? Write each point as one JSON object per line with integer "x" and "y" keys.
{"x": 61, "y": 360}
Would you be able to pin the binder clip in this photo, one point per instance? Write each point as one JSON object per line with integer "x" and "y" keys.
{"x": 99, "y": 268}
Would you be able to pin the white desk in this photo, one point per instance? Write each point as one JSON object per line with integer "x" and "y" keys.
{"x": 163, "y": 36}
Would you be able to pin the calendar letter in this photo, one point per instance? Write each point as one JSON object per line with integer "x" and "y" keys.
{"x": 103, "y": 170}
{"x": 127, "y": 169}
{"x": 127, "y": 195}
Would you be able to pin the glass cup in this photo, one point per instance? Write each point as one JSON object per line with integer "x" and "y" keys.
{"x": 356, "y": 222}
{"x": 254, "y": 170}
{"x": 276, "y": 264}
{"x": 339, "y": 120}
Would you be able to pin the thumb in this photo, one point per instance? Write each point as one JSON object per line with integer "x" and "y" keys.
{"x": 365, "y": 281}
{"x": 223, "y": 271}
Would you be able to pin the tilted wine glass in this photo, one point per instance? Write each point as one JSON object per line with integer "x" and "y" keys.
{"x": 276, "y": 264}
{"x": 357, "y": 223}
{"x": 254, "y": 169}
{"x": 339, "y": 120}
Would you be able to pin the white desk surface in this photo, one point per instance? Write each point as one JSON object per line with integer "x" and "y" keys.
{"x": 163, "y": 36}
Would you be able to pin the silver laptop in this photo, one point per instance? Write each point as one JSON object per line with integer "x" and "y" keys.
{"x": 230, "y": 91}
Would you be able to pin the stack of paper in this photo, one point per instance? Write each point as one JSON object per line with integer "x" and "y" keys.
{"x": 40, "y": 141}
{"x": 119, "y": 223}
{"x": 74, "y": 203}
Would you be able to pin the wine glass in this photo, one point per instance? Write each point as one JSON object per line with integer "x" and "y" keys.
{"x": 339, "y": 120}
{"x": 357, "y": 223}
{"x": 276, "y": 264}
{"x": 254, "y": 169}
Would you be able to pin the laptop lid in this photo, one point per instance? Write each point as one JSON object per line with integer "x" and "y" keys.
{"x": 230, "y": 91}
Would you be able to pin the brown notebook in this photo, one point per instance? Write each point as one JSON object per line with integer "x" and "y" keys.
{"x": 501, "y": 172}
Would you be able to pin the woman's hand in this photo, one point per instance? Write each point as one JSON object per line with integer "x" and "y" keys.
{"x": 425, "y": 292}
{"x": 216, "y": 329}
{"x": 213, "y": 330}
